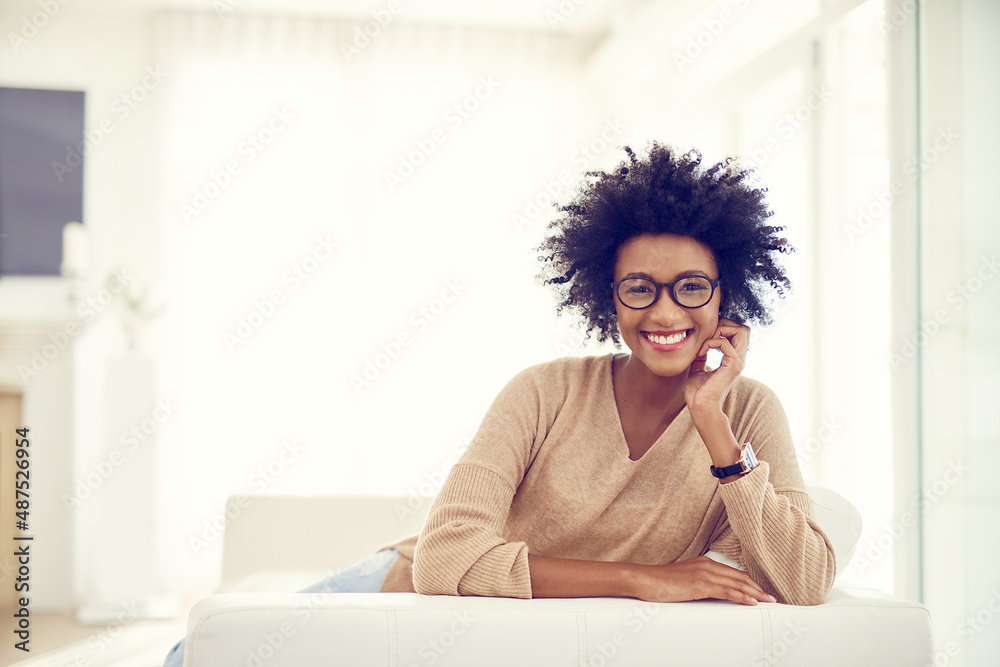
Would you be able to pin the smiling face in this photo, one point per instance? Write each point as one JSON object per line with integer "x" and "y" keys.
{"x": 665, "y": 337}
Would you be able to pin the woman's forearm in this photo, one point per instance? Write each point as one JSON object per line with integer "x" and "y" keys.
{"x": 717, "y": 434}
{"x": 692, "y": 579}
{"x": 566, "y": 578}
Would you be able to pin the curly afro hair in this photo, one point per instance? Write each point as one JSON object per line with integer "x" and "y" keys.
{"x": 666, "y": 193}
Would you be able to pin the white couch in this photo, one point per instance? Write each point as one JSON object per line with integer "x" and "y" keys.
{"x": 278, "y": 543}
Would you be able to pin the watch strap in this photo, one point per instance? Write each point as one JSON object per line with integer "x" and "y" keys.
{"x": 747, "y": 462}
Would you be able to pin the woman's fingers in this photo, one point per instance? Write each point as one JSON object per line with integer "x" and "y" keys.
{"x": 737, "y": 586}
{"x": 701, "y": 578}
{"x": 750, "y": 592}
{"x": 738, "y": 335}
{"x": 729, "y": 354}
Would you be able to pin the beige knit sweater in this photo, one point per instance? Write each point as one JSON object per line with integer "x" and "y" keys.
{"x": 549, "y": 471}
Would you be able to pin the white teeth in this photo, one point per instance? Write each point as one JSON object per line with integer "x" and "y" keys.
{"x": 667, "y": 340}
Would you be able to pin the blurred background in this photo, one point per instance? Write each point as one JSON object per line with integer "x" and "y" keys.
{"x": 306, "y": 259}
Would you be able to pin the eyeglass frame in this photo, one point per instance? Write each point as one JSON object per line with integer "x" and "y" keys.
{"x": 656, "y": 297}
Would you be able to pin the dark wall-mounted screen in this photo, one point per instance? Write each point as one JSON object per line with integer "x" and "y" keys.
{"x": 41, "y": 176}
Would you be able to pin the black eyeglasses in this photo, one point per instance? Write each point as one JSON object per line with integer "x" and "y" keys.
{"x": 690, "y": 292}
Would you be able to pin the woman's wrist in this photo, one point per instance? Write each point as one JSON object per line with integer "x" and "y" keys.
{"x": 707, "y": 416}
{"x": 717, "y": 434}
{"x": 629, "y": 577}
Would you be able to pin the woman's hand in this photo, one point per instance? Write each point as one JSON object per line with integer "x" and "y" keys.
{"x": 705, "y": 391}
{"x": 695, "y": 579}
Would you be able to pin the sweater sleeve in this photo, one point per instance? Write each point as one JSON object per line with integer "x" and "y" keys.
{"x": 769, "y": 527}
{"x": 461, "y": 549}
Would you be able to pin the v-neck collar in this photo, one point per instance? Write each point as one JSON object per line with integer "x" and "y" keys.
{"x": 621, "y": 446}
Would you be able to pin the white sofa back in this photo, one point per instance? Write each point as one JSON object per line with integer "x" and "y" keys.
{"x": 273, "y": 541}
{"x": 322, "y": 534}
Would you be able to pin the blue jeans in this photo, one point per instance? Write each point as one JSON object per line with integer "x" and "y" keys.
{"x": 363, "y": 577}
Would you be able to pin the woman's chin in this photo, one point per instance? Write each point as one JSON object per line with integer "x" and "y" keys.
{"x": 656, "y": 364}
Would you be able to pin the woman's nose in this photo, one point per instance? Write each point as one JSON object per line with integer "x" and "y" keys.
{"x": 666, "y": 307}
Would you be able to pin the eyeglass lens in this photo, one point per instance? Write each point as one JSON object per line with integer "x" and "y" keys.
{"x": 692, "y": 292}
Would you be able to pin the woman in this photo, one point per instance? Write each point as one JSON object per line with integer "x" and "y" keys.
{"x": 614, "y": 475}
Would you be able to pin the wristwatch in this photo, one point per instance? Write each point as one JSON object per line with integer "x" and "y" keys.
{"x": 747, "y": 462}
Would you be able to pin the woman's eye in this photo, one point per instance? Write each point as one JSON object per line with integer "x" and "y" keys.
{"x": 693, "y": 287}
{"x": 640, "y": 289}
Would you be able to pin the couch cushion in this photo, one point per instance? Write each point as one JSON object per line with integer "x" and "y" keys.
{"x": 402, "y": 629}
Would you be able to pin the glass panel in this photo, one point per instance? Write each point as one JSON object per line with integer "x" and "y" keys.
{"x": 956, "y": 336}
